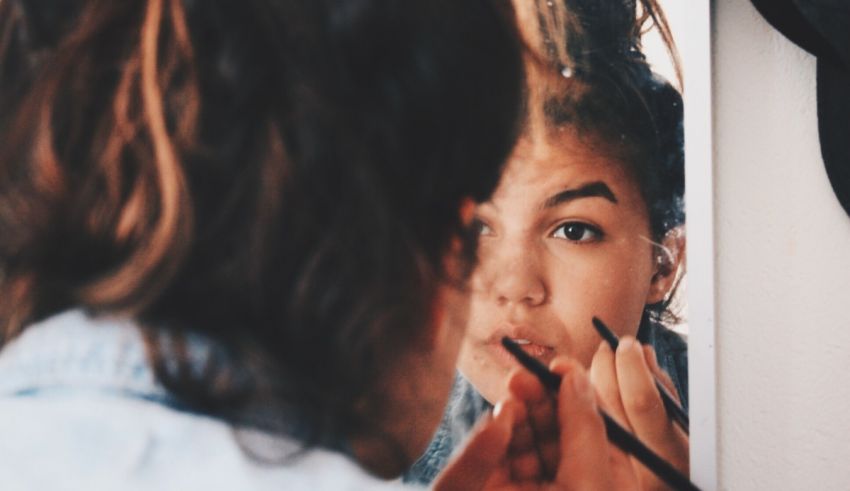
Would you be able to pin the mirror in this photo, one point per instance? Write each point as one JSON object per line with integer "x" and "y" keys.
{"x": 580, "y": 226}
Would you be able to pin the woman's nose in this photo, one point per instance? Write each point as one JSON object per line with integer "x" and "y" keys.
{"x": 516, "y": 280}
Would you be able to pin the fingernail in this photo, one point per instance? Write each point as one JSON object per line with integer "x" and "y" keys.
{"x": 498, "y": 408}
{"x": 627, "y": 343}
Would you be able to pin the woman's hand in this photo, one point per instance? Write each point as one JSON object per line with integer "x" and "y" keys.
{"x": 533, "y": 442}
{"x": 626, "y": 387}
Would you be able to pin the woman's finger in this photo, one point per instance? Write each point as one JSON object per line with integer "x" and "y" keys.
{"x": 534, "y": 448}
{"x": 603, "y": 375}
{"x": 528, "y": 392}
{"x": 585, "y": 458}
{"x": 645, "y": 410}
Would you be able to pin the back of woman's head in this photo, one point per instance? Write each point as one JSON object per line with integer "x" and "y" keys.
{"x": 283, "y": 176}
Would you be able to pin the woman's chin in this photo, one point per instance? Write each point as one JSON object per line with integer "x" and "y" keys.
{"x": 492, "y": 383}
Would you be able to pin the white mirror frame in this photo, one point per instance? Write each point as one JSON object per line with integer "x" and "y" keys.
{"x": 695, "y": 48}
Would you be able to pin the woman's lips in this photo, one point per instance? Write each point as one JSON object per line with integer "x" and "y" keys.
{"x": 542, "y": 352}
{"x": 530, "y": 339}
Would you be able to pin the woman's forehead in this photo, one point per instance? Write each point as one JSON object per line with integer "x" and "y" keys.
{"x": 562, "y": 159}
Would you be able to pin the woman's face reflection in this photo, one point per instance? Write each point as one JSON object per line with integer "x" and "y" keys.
{"x": 564, "y": 238}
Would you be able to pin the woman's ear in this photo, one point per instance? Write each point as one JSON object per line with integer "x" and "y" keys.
{"x": 668, "y": 263}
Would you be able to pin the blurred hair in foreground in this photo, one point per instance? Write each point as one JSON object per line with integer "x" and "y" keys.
{"x": 281, "y": 176}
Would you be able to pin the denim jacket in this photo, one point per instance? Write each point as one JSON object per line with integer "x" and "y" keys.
{"x": 80, "y": 409}
{"x": 466, "y": 405}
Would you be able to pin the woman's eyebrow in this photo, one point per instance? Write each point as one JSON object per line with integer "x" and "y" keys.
{"x": 593, "y": 189}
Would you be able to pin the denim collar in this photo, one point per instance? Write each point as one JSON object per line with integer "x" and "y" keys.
{"x": 74, "y": 353}
{"x": 73, "y": 350}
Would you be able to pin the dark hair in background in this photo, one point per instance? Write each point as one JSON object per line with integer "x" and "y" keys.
{"x": 283, "y": 176}
{"x": 605, "y": 88}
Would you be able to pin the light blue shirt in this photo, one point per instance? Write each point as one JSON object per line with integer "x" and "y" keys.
{"x": 80, "y": 409}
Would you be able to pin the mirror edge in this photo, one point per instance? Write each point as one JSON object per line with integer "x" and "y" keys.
{"x": 699, "y": 195}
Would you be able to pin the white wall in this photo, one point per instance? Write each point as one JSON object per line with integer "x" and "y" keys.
{"x": 676, "y": 12}
{"x": 783, "y": 268}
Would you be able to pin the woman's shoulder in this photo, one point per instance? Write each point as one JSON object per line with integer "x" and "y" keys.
{"x": 81, "y": 409}
{"x": 93, "y": 441}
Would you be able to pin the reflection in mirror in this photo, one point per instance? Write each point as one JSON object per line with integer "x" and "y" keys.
{"x": 587, "y": 221}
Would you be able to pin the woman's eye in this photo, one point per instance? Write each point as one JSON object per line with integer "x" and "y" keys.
{"x": 481, "y": 228}
{"x": 577, "y": 232}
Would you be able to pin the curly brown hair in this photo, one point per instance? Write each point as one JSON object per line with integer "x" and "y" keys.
{"x": 281, "y": 176}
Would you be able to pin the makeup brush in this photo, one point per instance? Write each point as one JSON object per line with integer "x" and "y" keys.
{"x": 674, "y": 410}
{"x": 618, "y": 435}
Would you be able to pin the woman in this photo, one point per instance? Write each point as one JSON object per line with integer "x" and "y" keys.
{"x": 236, "y": 233}
{"x": 585, "y": 222}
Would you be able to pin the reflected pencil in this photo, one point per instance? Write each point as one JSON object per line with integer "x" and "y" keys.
{"x": 618, "y": 435}
{"x": 674, "y": 410}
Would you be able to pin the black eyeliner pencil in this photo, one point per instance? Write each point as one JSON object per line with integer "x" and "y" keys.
{"x": 674, "y": 410}
{"x": 618, "y": 435}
